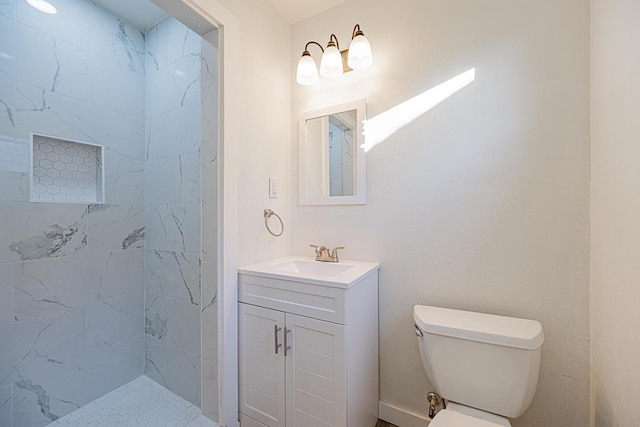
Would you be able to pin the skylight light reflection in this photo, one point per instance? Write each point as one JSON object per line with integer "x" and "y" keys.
{"x": 379, "y": 128}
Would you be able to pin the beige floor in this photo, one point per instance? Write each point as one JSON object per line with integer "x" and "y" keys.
{"x": 384, "y": 424}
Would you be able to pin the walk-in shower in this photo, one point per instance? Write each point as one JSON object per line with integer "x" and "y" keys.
{"x": 108, "y": 207}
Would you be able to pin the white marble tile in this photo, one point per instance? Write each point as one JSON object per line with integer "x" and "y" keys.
{"x": 173, "y": 368}
{"x": 173, "y": 321}
{"x": 5, "y": 406}
{"x": 43, "y": 398}
{"x": 110, "y": 321}
{"x": 14, "y": 166}
{"x": 173, "y": 274}
{"x": 88, "y": 26}
{"x": 118, "y": 273}
{"x": 115, "y": 227}
{"x": 173, "y": 227}
{"x": 113, "y": 366}
{"x": 8, "y": 9}
{"x": 36, "y": 65}
{"x": 47, "y": 63}
{"x": 143, "y": 403}
{"x": 32, "y": 346}
{"x": 209, "y": 372}
{"x": 209, "y": 172}
{"x": 169, "y": 41}
{"x": 115, "y": 87}
{"x": 209, "y": 292}
{"x": 209, "y": 319}
{"x": 173, "y": 132}
{"x": 15, "y": 187}
{"x": 8, "y": 125}
{"x": 209, "y": 61}
{"x": 50, "y": 113}
{"x": 180, "y": 83}
{"x": 14, "y": 155}
{"x": 51, "y": 286}
{"x": 174, "y": 179}
{"x": 210, "y": 231}
{"x": 7, "y": 292}
{"x": 124, "y": 179}
{"x": 31, "y": 232}
{"x": 47, "y": 396}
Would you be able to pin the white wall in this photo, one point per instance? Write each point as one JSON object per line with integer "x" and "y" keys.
{"x": 265, "y": 100}
{"x": 615, "y": 212}
{"x": 482, "y": 203}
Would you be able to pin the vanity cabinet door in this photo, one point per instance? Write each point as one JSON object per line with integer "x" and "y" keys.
{"x": 262, "y": 365}
{"x": 316, "y": 373}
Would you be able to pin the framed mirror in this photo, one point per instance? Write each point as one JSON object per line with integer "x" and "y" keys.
{"x": 332, "y": 164}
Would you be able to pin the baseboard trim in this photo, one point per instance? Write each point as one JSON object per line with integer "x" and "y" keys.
{"x": 401, "y": 417}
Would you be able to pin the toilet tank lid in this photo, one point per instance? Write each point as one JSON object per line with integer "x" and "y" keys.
{"x": 487, "y": 328}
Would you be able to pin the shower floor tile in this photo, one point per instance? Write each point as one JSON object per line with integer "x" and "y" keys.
{"x": 142, "y": 402}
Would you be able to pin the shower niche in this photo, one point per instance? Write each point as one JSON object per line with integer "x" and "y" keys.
{"x": 66, "y": 171}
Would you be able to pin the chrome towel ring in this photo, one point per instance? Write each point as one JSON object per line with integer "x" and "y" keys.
{"x": 268, "y": 213}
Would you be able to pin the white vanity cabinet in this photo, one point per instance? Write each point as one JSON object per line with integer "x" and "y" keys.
{"x": 308, "y": 351}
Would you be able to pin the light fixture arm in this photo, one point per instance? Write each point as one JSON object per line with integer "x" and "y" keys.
{"x": 356, "y": 32}
{"x": 333, "y": 37}
{"x": 306, "y": 47}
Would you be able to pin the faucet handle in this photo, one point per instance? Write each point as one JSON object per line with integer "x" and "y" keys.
{"x": 319, "y": 249}
{"x": 334, "y": 252}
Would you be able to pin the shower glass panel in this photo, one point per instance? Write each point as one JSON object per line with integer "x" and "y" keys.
{"x": 96, "y": 293}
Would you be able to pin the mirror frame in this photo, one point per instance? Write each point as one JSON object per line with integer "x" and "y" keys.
{"x": 360, "y": 196}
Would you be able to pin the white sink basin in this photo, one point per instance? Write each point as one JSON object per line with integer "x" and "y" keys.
{"x": 303, "y": 266}
{"x": 341, "y": 274}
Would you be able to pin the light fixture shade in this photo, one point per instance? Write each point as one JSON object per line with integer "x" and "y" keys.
{"x": 360, "y": 55}
{"x": 307, "y": 72}
{"x": 331, "y": 63}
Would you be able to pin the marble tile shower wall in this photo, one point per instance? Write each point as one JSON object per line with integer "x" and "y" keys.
{"x": 173, "y": 209}
{"x": 71, "y": 275}
{"x": 209, "y": 293}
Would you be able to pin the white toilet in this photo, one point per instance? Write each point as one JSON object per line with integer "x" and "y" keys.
{"x": 484, "y": 366}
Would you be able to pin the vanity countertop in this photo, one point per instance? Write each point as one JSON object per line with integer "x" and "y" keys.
{"x": 342, "y": 274}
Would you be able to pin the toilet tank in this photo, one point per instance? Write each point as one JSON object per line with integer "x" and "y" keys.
{"x": 480, "y": 360}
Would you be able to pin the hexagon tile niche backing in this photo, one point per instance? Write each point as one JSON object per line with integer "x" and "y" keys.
{"x": 65, "y": 171}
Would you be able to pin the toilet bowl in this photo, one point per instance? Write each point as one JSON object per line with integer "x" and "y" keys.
{"x": 484, "y": 366}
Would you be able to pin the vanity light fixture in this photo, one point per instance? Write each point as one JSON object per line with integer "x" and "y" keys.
{"x": 43, "y": 6}
{"x": 332, "y": 64}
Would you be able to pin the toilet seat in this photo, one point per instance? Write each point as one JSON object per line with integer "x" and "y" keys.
{"x": 449, "y": 418}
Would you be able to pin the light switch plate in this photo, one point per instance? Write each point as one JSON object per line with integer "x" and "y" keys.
{"x": 273, "y": 188}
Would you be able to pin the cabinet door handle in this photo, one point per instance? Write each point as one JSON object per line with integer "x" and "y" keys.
{"x": 276, "y": 329}
{"x": 286, "y": 346}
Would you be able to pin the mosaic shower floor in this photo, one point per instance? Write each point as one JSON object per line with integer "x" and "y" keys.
{"x": 142, "y": 402}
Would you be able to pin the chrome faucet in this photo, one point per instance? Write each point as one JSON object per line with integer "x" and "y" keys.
{"x": 325, "y": 255}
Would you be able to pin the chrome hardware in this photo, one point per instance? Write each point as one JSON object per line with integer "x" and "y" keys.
{"x": 434, "y": 400}
{"x": 268, "y": 213}
{"x": 334, "y": 253}
{"x": 286, "y": 346}
{"x": 276, "y": 329}
{"x": 418, "y": 331}
{"x": 325, "y": 255}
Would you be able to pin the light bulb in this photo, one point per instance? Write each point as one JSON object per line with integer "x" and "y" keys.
{"x": 360, "y": 55}
{"x": 331, "y": 63}
{"x": 307, "y": 72}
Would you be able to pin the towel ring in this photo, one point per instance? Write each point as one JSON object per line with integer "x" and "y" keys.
{"x": 268, "y": 213}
